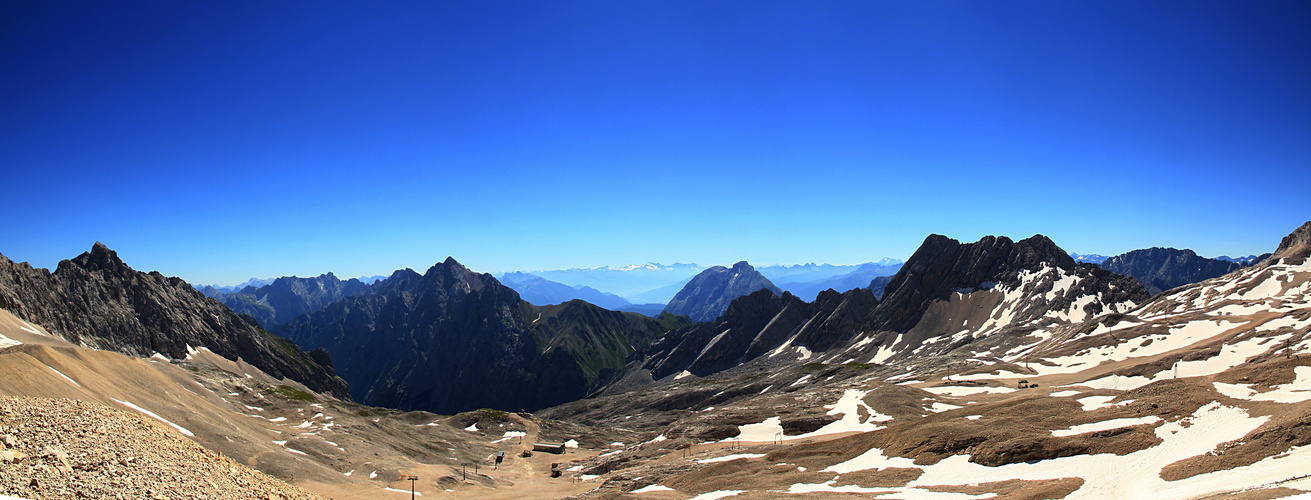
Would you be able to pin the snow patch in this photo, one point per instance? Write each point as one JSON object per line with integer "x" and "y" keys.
{"x": 727, "y": 458}
{"x": 1297, "y": 391}
{"x": 652, "y": 488}
{"x": 61, "y": 374}
{"x": 957, "y": 390}
{"x": 1105, "y": 425}
{"x": 151, "y": 414}
{"x": 716, "y": 495}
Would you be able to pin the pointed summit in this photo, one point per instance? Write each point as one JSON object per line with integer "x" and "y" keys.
{"x": 708, "y": 294}
{"x": 100, "y": 258}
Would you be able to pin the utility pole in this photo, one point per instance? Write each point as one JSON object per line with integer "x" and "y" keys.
{"x": 412, "y": 480}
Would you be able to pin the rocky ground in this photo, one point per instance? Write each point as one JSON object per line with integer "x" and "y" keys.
{"x": 59, "y": 448}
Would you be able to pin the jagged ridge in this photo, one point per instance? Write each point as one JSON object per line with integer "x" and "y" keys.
{"x": 98, "y": 300}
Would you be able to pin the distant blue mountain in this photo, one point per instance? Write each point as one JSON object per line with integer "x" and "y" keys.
{"x": 1244, "y": 261}
{"x": 540, "y": 291}
{"x": 660, "y": 295}
{"x": 625, "y": 281}
{"x": 1090, "y": 258}
{"x": 652, "y": 310}
{"x": 213, "y": 290}
{"x": 806, "y": 273}
{"x": 860, "y": 277}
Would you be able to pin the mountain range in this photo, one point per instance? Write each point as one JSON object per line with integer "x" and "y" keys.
{"x": 451, "y": 340}
{"x": 540, "y": 291}
{"x": 860, "y": 277}
{"x": 97, "y": 300}
{"x": 977, "y": 290}
{"x": 987, "y": 368}
{"x": 287, "y": 297}
{"x": 634, "y": 283}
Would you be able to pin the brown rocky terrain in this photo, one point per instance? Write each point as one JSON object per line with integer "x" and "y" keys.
{"x": 69, "y": 449}
{"x": 1203, "y": 391}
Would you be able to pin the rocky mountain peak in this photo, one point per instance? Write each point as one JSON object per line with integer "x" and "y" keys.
{"x": 942, "y": 266}
{"x": 451, "y": 275}
{"x": 100, "y": 258}
{"x": 709, "y": 293}
{"x": 96, "y": 299}
{"x": 1296, "y": 246}
{"x": 1043, "y": 249}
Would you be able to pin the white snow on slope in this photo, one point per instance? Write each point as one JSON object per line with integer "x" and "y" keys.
{"x": 1230, "y": 355}
{"x": 151, "y": 414}
{"x": 727, "y": 458}
{"x": 1105, "y": 425}
{"x": 1135, "y": 475}
{"x": 510, "y": 435}
{"x": 957, "y": 390}
{"x": 6, "y": 342}
{"x": 848, "y": 406}
{"x": 1297, "y": 391}
{"x": 66, "y": 377}
{"x": 767, "y": 430}
{"x": 1148, "y": 345}
{"x": 652, "y": 488}
{"x": 716, "y": 495}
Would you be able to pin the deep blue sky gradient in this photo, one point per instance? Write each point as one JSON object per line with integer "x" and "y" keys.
{"x": 218, "y": 141}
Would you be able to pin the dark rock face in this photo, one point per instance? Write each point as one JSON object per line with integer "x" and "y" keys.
{"x": 968, "y": 291}
{"x": 879, "y": 285}
{"x": 941, "y": 266}
{"x": 709, "y": 293}
{"x": 97, "y": 299}
{"x": 289, "y": 296}
{"x": 754, "y": 325}
{"x": 452, "y": 340}
{"x": 1160, "y": 269}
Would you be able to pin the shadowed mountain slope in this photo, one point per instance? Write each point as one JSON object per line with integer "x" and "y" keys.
{"x": 947, "y": 295}
{"x": 97, "y": 300}
{"x": 289, "y": 296}
{"x": 453, "y": 340}
{"x": 1160, "y": 269}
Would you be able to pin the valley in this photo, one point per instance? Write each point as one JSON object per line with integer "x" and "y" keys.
{"x": 994, "y": 369}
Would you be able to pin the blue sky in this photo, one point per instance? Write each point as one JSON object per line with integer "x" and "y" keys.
{"x": 218, "y": 141}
